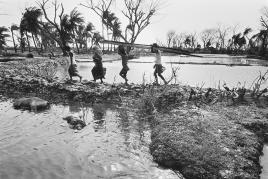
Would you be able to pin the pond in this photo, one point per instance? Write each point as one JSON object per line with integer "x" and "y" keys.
{"x": 114, "y": 144}
{"x": 209, "y": 71}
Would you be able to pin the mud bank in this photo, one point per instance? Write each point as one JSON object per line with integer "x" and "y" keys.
{"x": 37, "y": 78}
{"x": 208, "y": 138}
{"x": 89, "y": 92}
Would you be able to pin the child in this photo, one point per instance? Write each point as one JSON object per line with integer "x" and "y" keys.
{"x": 98, "y": 72}
{"x": 122, "y": 52}
{"x": 72, "y": 70}
{"x": 159, "y": 69}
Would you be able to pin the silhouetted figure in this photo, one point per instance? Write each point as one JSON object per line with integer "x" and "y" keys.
{"x": 159, "y": 69}
{"x": 122, "y": 52}
{"x": 98, "y": 116}
{"x": 98, "y": 72}
{"x": 72, "y": 70}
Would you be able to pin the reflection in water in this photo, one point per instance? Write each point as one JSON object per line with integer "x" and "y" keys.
{"x": 99, "y": 110}
{"x": 112, "y": 145}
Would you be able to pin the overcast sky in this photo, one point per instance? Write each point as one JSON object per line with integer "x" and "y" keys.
{"x": 178, "y": 15}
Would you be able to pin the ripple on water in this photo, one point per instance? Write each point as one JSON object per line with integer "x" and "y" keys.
{"x": 41, "y": 145}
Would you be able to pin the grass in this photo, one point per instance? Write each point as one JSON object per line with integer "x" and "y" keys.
{"x": 203, "y": 144}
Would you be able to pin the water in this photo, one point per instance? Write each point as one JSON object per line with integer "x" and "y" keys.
{"x": 264, "y": 162}
{"x": 41, "y": 145}
{"x": 191, "y": 74}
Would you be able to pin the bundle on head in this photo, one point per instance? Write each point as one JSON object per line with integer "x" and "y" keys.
{"x": 96, "y": 49}
{"x": 153, "y": 49}
{"x": 67, "y": 48}
{"x": 121, "y": 50}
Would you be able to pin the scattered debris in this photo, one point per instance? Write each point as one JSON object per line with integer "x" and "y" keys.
{"x": 75, "y": 122}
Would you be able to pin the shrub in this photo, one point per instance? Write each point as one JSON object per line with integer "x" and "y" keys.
{"x": 29, "y": 55}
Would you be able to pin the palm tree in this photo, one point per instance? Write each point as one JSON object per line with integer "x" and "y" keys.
{"x": 89, "y": 28}
{"x": 13, "y": 28}
{"x": 96, "y": 38}
{"x": 46, "y": 40}
{"x": 3, "y": 37}
{"x": 81, "y": 35}
{"x": 260, "y": 40}
{"x": 108, "y": 19}
{"x": 30, "y": 23}
{"x": 75, "y": 20}
{"x": 116, "y": 31}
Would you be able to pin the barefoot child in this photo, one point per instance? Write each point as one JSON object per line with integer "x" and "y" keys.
{"x": 98, "y": 72}
{"x": 72, "y": 70}
{"x": 122, "y": 52}
{"x": 159, "y": 69}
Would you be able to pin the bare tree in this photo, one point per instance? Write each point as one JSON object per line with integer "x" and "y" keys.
{"x": 207, "y": 36}
{"x": 178, "y": 40}
{"x": 57, "y": 22}
{"x": 193, "y": 37}
{"x": 137, "y": 13}
{"x": 222, "y": 33}
{"x": 264, "y": 18}
{"x": 170, "y": 37}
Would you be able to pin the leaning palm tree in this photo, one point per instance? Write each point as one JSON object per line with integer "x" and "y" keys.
{"x": 116, "y": 31}
{"x": 75, "y": 19}
{"x": 88, "y": 31}
{"x": 108, "y": 19}
{"x": 260, "y": 40}
{"x": 30, "y": 23}
{"x": 13, "y": 28}
{"x": 3, "y": 36}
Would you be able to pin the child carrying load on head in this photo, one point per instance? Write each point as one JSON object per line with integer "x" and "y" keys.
{"x": 72, "y": 70}
{"x": 122, "y": 52}
{"x": 98, "y": 72}
{"x": 159, "y": 69}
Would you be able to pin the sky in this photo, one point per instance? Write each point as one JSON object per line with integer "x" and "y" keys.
{"x": 179, "y": 15}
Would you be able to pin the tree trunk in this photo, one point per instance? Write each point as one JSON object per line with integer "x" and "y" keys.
{"x": 107, "y": 28}
{"x": 15, "y": 47}
{"x": 35, "y": 44}
{"x": 29, "y": 48}
{"x": 76, "y": 43}
{"x": 102, "y": 35}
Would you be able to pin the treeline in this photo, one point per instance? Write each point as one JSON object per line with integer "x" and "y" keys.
{"x": 47, "y": 30}
{"x": 223, "y": 39}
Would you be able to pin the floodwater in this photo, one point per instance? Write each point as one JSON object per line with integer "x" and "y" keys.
{"x": 264, "y": 162}
{"x": 41, "y": 145}
{"x": 210, "y": 71}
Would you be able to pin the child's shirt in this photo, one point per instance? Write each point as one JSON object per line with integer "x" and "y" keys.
{"x": 158, "y": 57}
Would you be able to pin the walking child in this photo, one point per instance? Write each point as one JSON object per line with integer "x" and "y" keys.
{"x": 159, "y": 69}
{"x": 72, "y": 70}
{"x": 98, "y": 72}
{"x": 122, "y": 52}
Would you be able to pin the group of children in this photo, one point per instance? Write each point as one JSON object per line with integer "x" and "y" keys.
{"x": 98, "y": 71}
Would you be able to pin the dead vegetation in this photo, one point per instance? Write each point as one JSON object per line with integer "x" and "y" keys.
{"x": 34, "y": 68}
